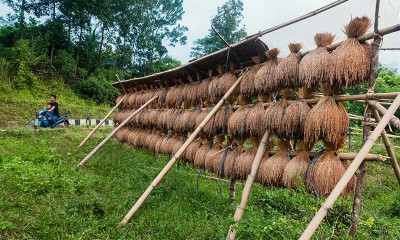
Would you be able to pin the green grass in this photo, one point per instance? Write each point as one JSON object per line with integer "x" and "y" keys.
{"x": 44, "y": 196}
{"x": 21, "y": 105}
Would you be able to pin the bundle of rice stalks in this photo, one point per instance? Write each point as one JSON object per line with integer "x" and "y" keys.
{"x": 159, "y": 142}
{"x": 161, "y": 94}
{"x": 168, "y": 144}
{"x": 275, "y": 117}
{"x": 287, "y": 71}
{"x": 170, "y": 117}
{"x": 118, "y": 117}
{"x": 126, "y": 102}
{"x": 229, "y": 164}
{"x": 313, "y": 67}
{"x": 244, "y": 162}
{"x": 170, "y": 98}
{"x": 201, "y": 153}
{"x": 213, "y": 158}
{"x": 121, "y": 106}
{"x": 265, "y": 97}
{"x": 122, "y": 134}
{"x": 221, "y": 84}
{"x": 328, "y": 121}
{"x": 247, "y": 87}
{"x": 150, "y": 141}
{"x": 192, "y": 95}
{"x": 265, "y": 79}
{"x": 208, "y": 129}
{"x": 178, "y": 144}
{"x": 221, "y": 118}
{"x": 271, "y": 171}
{"x": 203, "y": 90}
{"x": 325, "y": 173}
{"x": 295, "y": 171}
{"x": 153, "y": 117}
{"x": 190, "y": 153}
{"x": 350, "y": 62}
{"x": 237, "y": 122}
{"x": 255, "y": 121}
{"x": 294, "y": 118}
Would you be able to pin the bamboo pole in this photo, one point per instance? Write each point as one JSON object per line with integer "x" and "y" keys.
{"x": 388, "y": 147}
{"x": 169, "y": 165}
{"x": 101, "y": 122}
{"x": 116, "y": 130}
{"x": 342, "y": 156}
{"x": 393, "y": 120}
{"x": 330, "y": 200}
{"x": 249, "y": 183}
{"x": 367, "y": 126}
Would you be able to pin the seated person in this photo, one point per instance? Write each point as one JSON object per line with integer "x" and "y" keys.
{"x": 54, "y": 109}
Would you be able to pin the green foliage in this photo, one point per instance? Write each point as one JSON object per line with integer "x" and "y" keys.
{"x": 228, "y": 24}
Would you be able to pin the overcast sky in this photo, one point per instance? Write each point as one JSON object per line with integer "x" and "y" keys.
{"x": 262, "y": 14}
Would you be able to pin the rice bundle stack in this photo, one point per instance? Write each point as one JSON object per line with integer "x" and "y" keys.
{"x": 190, "y": 153}
{"x": 323, "y": 176}
{"x": 275, "y": 117}
{"x": 208, "y": 129}
{"x": 192, "y": 93}
{"x": 350, "y": 62}
{"x": 295, "y": 116}
{"x": 265, "y": 79}
{"x": 294, "y": 174}
{"x": 221, "y": 84}
{"x": 201, "y": 153}
{"x": 222, "y": 118}
{"x": 271, "y": 171}
{"x": 245, "y": 160}
{"x": 236, "y": 123}
{"x": 247, "y": 87}
{"x": 313, "y": 67}
{"x": 178, "y": 144}
{"x": 213, "y": 158}
{"x": 328, "y": 121}
{"x": 158, "y": 144}
{"x": 287, "y": 71}
{"x": 255, "y": 121}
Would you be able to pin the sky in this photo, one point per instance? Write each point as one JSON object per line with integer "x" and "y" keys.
{"x": 263, "y": 14}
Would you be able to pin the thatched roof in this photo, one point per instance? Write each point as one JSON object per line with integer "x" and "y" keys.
{"x": 240, "y": 53}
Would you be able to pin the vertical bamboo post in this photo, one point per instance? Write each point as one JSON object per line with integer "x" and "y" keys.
{"x": 115, "y": 130}
{"x": 249, "y": 183}
{"x": 169, "y": 165}
{"x": 367, "y": 127}
{"x": 389, "y": 149}
{"x": 101, "y": 122}
{"x": 330, "y": 200}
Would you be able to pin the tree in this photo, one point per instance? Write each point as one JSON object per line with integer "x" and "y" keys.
{"x": 228, "y": 24}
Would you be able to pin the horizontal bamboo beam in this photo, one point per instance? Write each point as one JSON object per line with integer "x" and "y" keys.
{"x": 343, "y": 156}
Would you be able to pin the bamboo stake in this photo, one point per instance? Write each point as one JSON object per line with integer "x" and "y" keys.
{"x": 116, "y": 130}
{"x": 388, "y": 147}
{"x": 249, "y": 183}
{"x": 393, "y": 120}
{"x": 101, "y": 122}
{"x": 342, "y": 156}
{"x": 367, "y": 126}
{"x": 169, "y": 165}
{"x": 328, "y": 204}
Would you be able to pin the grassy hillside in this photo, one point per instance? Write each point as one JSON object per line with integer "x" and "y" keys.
{"x": 21, "y": 105}
{"x": 44, "y": 196}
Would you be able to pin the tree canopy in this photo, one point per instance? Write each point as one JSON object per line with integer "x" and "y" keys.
{"x": 227, "y": 22}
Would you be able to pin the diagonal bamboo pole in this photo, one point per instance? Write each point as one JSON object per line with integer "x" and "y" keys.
{"x": 116, "y": 130}
{"x": 169, "y": 165}
{"x": 330, "y": 200}
{"x": 393, "y": 120}
{"x": 249, "y": 183}
{"x": 101, "y": 122}
{"x": 386, "y": 142}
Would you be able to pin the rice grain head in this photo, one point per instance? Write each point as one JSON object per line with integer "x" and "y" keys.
{"x": 295, "y": 171}
{"x": 265, "y": 79}
{"x": 287, "y": 71}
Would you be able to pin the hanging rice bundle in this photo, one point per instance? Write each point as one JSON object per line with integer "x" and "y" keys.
{"x": 275, "y": 117}
{"x": 122, "y": 134}
{"x": 178, "y": 144}
{"x": 190, "y": 153}
{"x": 157, "y": 147}
{"x": 222, "y": 118}
{"x": 295, "y": 116}
{"x": 171, "y": 116}
{"x": 160, "y": 119}
{"x": 271, "y": 171}
{"x": 244, "y": 162}
{"x": 153, "y": 117}
{"x": 131, "y": 136}
{"x": 221, "y": 84}
{"x": 213, "y": 157}
{"x": 265, "y": 79}
{"x": 255, "y": 121}
{"x": 203, "y": 89}
{"x": 229, "y": 164}
{"x": 350, "y": 62}
{"x": 118, "y": 117}
{"x": 325, "y": 173}
{"x": 328, "y": 121}
{"x": 201, "y": 153}
{"x": 170, "y": 98}
{"x": 236, "y": 123}
{"x": 192, "y": 95}
{"x": 126, "y": 102}
{"x": 247, "y": 87}
{"x": 295, "y": 171}
{"x": 287, "y": 71}
{"x": 259, "y": 175}
{"x": 121, "y": 106}
{"x": 161, "y": 95}
{"x": 208, "y": 129}
{"x": 313, "y": 67}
